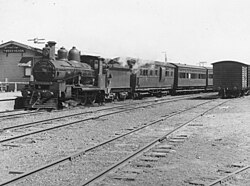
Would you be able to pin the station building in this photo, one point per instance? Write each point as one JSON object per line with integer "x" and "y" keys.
{"x": 16, "y": 60}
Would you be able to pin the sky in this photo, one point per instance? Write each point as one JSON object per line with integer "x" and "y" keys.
{"x": 186, "y": 31}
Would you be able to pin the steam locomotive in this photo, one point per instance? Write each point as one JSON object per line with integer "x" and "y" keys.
{"x": 89, "y": 79}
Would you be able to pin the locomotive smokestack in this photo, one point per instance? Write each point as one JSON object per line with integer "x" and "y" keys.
{"x": 52, "y": 49}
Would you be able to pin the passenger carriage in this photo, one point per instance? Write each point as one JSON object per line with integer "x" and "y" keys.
{"x": 154, "y": 78}
{"x": 189, "y": 78}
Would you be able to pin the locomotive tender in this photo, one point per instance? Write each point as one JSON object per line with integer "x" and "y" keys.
{"x": 89, "y": 79}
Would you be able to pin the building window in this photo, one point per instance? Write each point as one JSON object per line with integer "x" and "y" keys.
{"x": 27, "y": 72}
{"x": 141, "y": 72}
{"x": 145, "y": 72}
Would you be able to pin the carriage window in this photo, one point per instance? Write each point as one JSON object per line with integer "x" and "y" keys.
{"x": 172, "y": 73}
{"x": 210, "y": 76}
{"x": 182, "y": 75}
{"x": 96, "y": 64}
{"x": 156, "y": 72}
{"x": 202, "y": 76}
{"x": 141, "y": 72}
{"x": 151, "y": 72}
{"x": 167, "y": 73}
{"x": 145, "y": 72}
{"x": 194, "y": 76}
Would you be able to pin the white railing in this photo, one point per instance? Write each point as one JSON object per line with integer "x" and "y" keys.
{"x": 4, "y": 86}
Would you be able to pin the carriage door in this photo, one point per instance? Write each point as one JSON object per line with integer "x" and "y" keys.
{"x": 162, "y": 74}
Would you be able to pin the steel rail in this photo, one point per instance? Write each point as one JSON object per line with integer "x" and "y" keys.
{"x": 36, "y": 111}
{"x": 109, "y": 108}
{"x": 80, "y": 153}
{"x": 228, "y": 177}
{"x": 18, "y": 114}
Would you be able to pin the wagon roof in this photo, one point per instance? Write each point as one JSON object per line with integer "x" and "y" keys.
{"x": 140, "y": 63}
{"x": 188, "y": 66}
{"x": 158, "y": 63}
{"x": 229, "y": 61}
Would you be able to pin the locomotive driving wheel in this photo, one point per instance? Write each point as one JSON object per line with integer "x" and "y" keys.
{"x": 92, "y": 98}
{"x": 84, "y": 99}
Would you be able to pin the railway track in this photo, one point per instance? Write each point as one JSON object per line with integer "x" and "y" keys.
{"x": 10, "y": 114}
{"x": 229, "y": 177}
{"x": 145, "y": 144}
{"x": 15, "y": 113}
{"x": 159, "y": 150}
{"x": 121, "y": 109}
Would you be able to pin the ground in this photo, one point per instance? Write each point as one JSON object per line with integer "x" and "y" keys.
{"x": 217, "y": 144}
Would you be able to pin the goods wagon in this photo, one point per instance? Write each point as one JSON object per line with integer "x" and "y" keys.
{"x": 230, "y": 78}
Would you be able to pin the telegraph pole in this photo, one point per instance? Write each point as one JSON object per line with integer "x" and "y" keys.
{"x": 202, "y": 63}
{"x": 165, "y": 56}
{"x": 37, "y": 40}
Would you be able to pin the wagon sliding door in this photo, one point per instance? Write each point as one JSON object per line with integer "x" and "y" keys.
{"x": 244, "y": 77}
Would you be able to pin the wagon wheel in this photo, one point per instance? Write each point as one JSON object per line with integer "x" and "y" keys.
{"x": 84, "y": 99}
{"x": 117, "y": 97}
